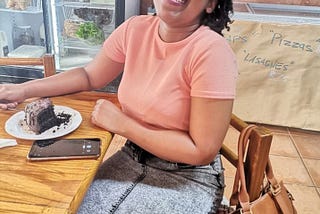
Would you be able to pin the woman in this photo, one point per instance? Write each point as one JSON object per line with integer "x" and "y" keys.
{"x": 176, "y": 97}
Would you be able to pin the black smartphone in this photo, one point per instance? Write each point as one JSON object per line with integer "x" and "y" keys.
{"x": 61, "y": 149}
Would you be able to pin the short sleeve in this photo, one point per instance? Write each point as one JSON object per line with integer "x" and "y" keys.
{"x": 115, "y": 45}
{"x": 214, "y": 72}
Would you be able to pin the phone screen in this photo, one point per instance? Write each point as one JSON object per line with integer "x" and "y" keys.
{"x": 53, "y": 149}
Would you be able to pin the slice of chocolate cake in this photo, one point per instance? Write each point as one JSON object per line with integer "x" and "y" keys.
{"x": 40, "y": 115}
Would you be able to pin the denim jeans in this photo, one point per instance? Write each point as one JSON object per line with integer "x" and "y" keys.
{"x": 135, "y": 181}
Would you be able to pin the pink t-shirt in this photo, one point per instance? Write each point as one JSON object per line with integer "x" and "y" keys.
{"x": 159, "y": 78}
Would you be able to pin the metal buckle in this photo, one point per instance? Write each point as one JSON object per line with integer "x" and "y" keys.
{"x": 241, "y": 211}
{"x": 275, "y": 190}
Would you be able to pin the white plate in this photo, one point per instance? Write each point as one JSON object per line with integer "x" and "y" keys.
{"x": 15, "y": 125}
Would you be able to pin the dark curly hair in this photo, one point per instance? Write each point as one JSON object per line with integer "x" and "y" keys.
{"x": 219, "y": 19}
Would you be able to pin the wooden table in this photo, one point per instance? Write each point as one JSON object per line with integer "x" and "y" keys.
{"x": 50, "y": 186}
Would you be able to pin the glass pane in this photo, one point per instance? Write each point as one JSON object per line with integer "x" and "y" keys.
{"x": 82, "y": 27}
{"x": 21, "y": 35}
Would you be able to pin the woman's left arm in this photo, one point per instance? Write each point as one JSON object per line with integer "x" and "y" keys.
{"x": 209, "y": 122}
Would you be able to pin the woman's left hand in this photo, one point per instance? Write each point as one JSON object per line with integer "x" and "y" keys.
{"x": 108, "y": 116}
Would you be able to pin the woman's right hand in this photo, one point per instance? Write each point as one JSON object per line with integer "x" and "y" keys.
{"x": 11, "y": 95}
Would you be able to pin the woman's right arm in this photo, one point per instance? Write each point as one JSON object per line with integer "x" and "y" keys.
{"x": 99, "y": 72}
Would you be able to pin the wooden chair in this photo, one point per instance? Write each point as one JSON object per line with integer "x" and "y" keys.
{"x": 47, "y": 61}
{"x": 256, "y": 158}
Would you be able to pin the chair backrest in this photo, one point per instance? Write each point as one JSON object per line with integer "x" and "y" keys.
{"x": 47, "y": 61}
{"x": 256, "y": 157}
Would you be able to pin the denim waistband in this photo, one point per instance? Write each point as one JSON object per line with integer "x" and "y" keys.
{"x": 138, "y": 154}
{"x": 142, "y": 156}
